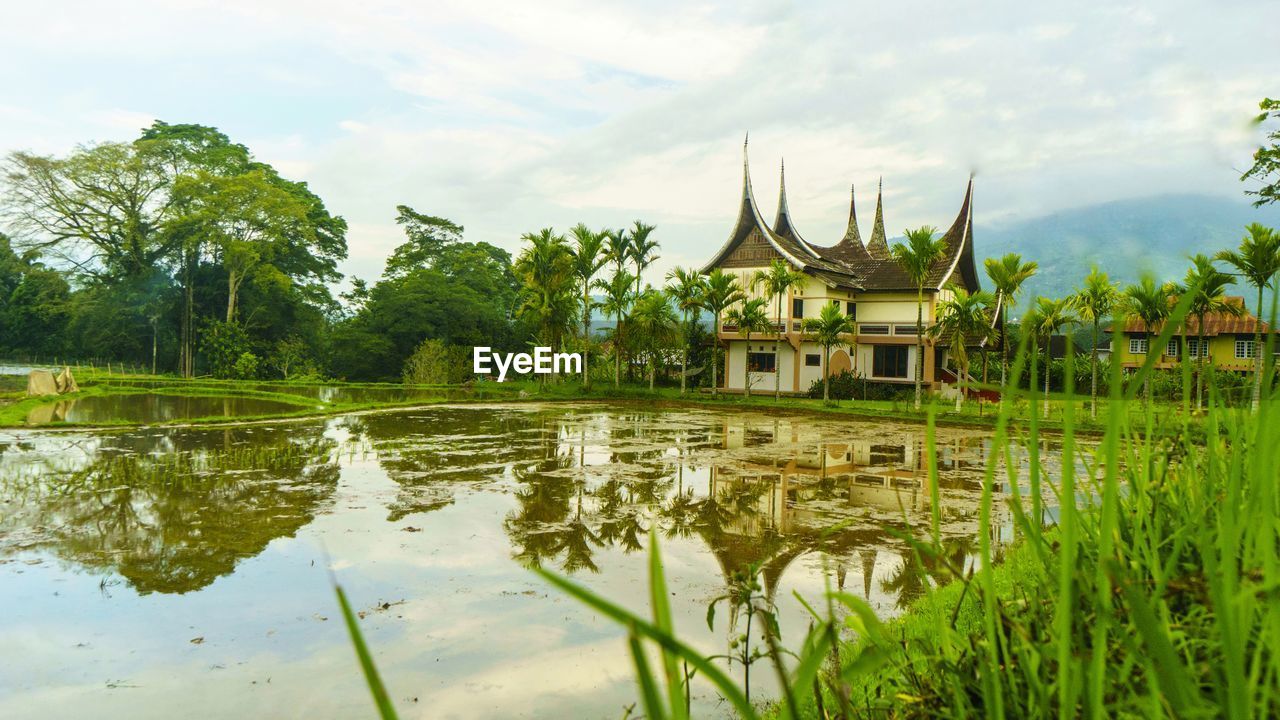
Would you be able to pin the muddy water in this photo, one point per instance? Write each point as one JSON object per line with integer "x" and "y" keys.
{"x": 162, "y": 572}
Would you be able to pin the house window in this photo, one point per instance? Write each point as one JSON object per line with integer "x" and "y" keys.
{"x": 1172, "y": 348}
{"x": 797, "y": 308}
{"x": 904, "y": 329}
{"x": 873, "y": 329}
{"x": 1196, "y": 349}
{"x": 761, "y": 362}
{"x": 1137, "y": 346}
{"x": 889, "y": 361}
{"x": 812, "y": 360}
{"x": 1246, "y": 349}
{"x": 851, "y": 309}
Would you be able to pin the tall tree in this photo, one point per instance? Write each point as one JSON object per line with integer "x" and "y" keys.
{"x": 1150, "y": 303}
{"x": 588, "y": 257}
{"x": 618, "y": 297}
{"x": 655, "y": 326}
{"x": 1209, "y": 285}
{"x": 643, "y": 249}
{"x": 828, "y": 330}
{"x": 686, "y": 288}
{"x": 776, "y": 281}
{"x": 1047, "y": 319}
{"x": 427, "y": 237}
{"x": 916, "y": 256}
{"x": 963, "y": 319}
{"x": 750, "y": 317}
{"x": 722, "y": 291}
{"x": 1257, "y": 261}
{"x": 545, "y": 267}
{"x": 1095, "y": 301}
{"x": 1266, "y": 161}
{"x": 1007, "y": 274}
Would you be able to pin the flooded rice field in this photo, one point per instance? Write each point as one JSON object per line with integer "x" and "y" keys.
{"x": 156, "y": 572}
{"x": 151, "y": 408}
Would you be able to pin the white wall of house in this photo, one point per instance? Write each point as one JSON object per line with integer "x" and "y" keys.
{"x": 761, "y": 382}
{"x": 808, "y": 374}
{"x": 866, "y": 366}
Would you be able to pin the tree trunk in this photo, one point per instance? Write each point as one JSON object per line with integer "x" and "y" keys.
{"x": 684, "y": 353}
{"x": 1200, "y": 355}
{"x": 826, "y": 377}
{"x": 653, "y": 371}
{"x": 919, "y": 341}
{"x": 155, "y": 331}
{"x": 586, "y": 336}
{"x": 1093, "y": 374}
{"x": 777, "y": 356}
{"x": 1257, "y": 354}
{"x": 746, "y": 367}
{"x": 1048, "y": 363}
{"x": 1004, "y": 342}
{"x": 964, "y": 372}
{"x": 715, "y": 354}
{"x": 233, "y": 285}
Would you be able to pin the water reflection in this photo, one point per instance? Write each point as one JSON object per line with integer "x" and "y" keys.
{"x": 154, "y": 408}
{"x": 437, "y": 510}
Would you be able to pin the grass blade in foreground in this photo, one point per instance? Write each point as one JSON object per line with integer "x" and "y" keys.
{"x": 386, "y": 710}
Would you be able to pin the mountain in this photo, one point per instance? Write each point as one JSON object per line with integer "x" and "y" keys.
{"x": 1124, "y": 238}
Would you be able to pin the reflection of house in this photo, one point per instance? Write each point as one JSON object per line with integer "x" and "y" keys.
{"x": 862, "y": 279}
{"x": 1228, "y": 341}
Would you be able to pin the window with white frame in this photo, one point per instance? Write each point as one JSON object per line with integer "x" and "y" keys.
{"x": 1246, "y": 349}
{"x": 1138, "y": 346}
{"x": 1195, "y": 348}
{"x": 1172, "y": 348}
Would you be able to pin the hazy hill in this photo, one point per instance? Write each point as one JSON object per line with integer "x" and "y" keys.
{"x": 1124, "y": 238}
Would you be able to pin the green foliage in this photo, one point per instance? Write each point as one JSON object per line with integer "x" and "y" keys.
{"x": 847, "y": 386}
{"x": 435, "y": 363}
{"x": 225, "y": 346}
{"x": 1266, "y": 161}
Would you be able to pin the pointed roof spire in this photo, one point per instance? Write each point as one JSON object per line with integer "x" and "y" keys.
{"x": 746, "y": 170}
{"x": 851, "y": 233}
{"x": 878, "y": 246}
{"x": 784, "y": 215}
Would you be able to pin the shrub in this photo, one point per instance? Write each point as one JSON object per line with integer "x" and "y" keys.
{"x": 847, "y": 386}
{"x": 435, "y": 363}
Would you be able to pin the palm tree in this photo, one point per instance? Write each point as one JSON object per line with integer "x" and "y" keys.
{"x": 655, "y": 327}
{"x": 545, "y": 268}
{"x": 1007, "y": 275}
{"x": 916, "y": 257}
{"x": 1048, "y": 317}
{"x": 750, "y": 317}
{"x": 828, "y": 330}
{"x": 617, "y": 303}
{"x": 588, "y": 257}
{"x": 777, "y": 280}
{"x": 1209, "y": 284}
{"x": 962, "y": 319}
{"x": 686, "y": 288}
{"x": 1258, "y": 261}
{"x": 1150, "y": 302}
{"x": 642, "y": 250}
{"x": 1095, "y": 301}
{"x": 722, "y": 290}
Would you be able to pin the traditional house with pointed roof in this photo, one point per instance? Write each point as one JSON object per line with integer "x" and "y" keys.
{"x": 863, "y": 279}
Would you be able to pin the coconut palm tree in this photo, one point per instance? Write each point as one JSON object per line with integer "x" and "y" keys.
{"x": 545, "y": 267}
{"x": 776, "y": 281}
{"x": 916, "y": 257}
{"x": 1096, "y": 300}
{"x": 828, "y": 330}
{"x": 750, "y": 317}
{"x": 642, "y": 251}
{"x": 722, "y": 290}
{"x": 588, "y": 257}
{"x": 963, "y": 319}
{"x": 1047, "y": 319}
{"x": 655, "y": 327}
{"x": 1209, "y": 285}
{"x": 1258, "y": 261}
{"x": 1150, "y": 302}
{"x": 617, "y": 303}
{"x": 686, "y": 288}
{"x": 1007, "y": 276}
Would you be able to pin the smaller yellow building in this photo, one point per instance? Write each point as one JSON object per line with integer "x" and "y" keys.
{"x": 1229, "y": 341}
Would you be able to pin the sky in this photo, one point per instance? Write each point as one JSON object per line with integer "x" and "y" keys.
{"x": 511, "y": 117}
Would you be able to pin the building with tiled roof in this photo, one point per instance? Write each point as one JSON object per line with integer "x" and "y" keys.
{"x": 863, "y": 278}
{"x": 1229, "y": 340}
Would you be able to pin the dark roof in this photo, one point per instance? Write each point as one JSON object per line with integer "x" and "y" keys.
{"x": 849, "y": 263}
{"x": 1240, "y": 323}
